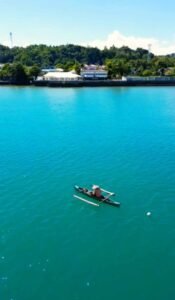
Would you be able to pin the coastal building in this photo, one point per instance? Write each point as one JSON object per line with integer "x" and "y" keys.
{"x": 94, "y": 67}
{"x": 94, "y": 72}
{"x": 60, "y": 76}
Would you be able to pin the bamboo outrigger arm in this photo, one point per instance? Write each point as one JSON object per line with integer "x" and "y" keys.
{"x": 111, "y": 193}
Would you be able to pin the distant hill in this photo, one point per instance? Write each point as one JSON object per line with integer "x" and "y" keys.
{"x": 46, "y": 56}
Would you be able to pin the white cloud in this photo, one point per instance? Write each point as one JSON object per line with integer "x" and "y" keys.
{"x": 118, "y": 39}
{"x": 6, "y": 43}
{"x": 23, "y": 44}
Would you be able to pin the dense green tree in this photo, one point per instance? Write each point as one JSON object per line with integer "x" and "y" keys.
{"x": 15, "y": 73}
{"x": 33, "y": 71}
{"x": 117, "y": 68}
{"x": 6, "y": 55}
{"x": 77, "y": 68}
{"x": 19, "y": 75}
{"x": 6, "y": 72}
{"x": 147, "y": 73}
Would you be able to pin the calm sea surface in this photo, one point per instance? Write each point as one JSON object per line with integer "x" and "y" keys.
{"x": 53, "y": 246}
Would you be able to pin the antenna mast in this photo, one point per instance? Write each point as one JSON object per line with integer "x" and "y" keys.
{"x": 11, "y": 40}
{"x": 149, "y": 52}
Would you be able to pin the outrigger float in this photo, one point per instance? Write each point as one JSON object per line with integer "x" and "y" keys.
{"x": 96, "y": 193}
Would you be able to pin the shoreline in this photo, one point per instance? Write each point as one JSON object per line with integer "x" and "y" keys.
{"x": 95, "y": 83}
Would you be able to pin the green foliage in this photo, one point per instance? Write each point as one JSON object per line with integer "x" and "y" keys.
{"x": 170, "y": 72}
{"x": 19, "y": 75}
{"x": 33, "y": 71}
{"x": 77, "y": 68}
{"x": 6, "y": 55}
{"x": 15, "y": 73}
{"x": 117, "y": 68}
{"x": 147, "y": 73}
{"x": 118, "y": 61}
{"x": 6, "y": 72}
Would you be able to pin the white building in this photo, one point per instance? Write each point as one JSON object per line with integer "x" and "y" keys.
{"x": 60, "y": 76}
{"x": 94, "y": 74}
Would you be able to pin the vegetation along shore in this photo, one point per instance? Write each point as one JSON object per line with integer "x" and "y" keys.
{"x": 124, "y": 66}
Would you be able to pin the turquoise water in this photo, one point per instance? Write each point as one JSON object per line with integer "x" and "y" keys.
{"x": 53, "y": 246}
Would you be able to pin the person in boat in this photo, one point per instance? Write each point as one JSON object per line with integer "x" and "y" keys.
{"x": 96, "y": 191}
{"x": 86, "y": 191}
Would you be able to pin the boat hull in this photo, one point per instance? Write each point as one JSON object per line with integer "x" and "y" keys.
{"x": 102, "y": 199}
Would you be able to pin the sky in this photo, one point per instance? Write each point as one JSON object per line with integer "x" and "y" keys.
{"x": 98, "y": 23}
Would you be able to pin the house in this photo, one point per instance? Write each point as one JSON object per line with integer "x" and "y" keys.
{"x": 94, "y": 72}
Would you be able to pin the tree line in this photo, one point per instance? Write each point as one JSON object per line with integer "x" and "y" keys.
{"x": 23, "y": 64}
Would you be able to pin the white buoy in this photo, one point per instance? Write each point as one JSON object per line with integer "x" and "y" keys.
{"x": 148, "y": 213}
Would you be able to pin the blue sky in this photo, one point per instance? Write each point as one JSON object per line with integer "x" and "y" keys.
{"x": 71, "y": 21}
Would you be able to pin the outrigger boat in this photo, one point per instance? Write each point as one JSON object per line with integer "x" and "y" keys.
{"x": 104, "y": 197}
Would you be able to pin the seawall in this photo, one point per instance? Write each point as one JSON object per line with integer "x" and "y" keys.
{"x": 104, "y": 83}
{"x": 96, "y": 83}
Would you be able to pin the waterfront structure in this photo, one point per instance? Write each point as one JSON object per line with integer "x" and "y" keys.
{"x": 60, "y": 76}
{"x": 93, "y": 72}
{"x": 148, "y": 78}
